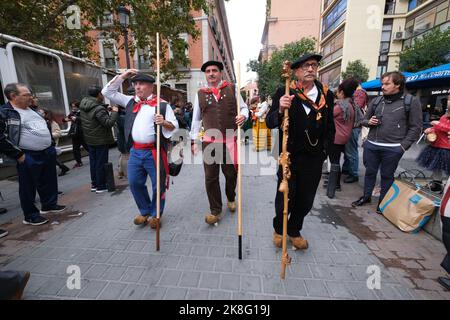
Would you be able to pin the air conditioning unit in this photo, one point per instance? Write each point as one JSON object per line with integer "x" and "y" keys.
{"x": 399, "y": 35}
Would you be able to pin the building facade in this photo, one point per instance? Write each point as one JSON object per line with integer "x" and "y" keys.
{"x": 374, "y": 31}
{"x": 214, "y": 42}
{"x": 406, "y": 21}
{"x": 350, "y": 30}
{"x": 288, "y": 21}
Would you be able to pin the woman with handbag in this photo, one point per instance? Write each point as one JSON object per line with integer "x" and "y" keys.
{"x": 436, "y": 156}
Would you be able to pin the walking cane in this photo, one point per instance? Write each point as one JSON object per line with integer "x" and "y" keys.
{"x": 238, "y": 103}
{"x": 158, "y": 145}
{"x": 285, "y": 163}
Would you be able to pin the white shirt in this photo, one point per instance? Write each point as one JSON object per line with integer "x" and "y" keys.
{"x": 34, "y": 133}
{"x": 143, "y": 130}
{"x": 312, "y": 95}
{"x": 197, "y": 115}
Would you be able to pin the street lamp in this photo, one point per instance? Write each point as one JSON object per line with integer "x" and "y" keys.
{"x": 124, "y": 19}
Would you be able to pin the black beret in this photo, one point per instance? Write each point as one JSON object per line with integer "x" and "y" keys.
{"x": 305, "y": 58}
{"x": 212, "y": 63}
{"x": 143, "y": 78}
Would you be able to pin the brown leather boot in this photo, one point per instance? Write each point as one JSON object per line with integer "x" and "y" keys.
{"x": 154, "y": 222}
{"x": 277, "y": 240}
{"x": 212, "y": 219}
{"x": 299, "y": 243}
{"x": 140, "y": 220}
{"x": 231, "y": 205}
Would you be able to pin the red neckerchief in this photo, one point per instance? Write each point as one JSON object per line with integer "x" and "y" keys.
{"x": 216, "y": 91}
{"x": 152, "y": 103}
{"x": 299, "y": 90}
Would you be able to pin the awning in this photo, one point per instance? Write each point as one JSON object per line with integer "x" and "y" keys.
{"x": 434, "y": 77}
{"x": 375, "y": 85}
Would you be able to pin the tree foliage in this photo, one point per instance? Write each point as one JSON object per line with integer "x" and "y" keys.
{"x": 44, "y": 22}
{"x": 269, "y": 72}
{"x": 431, "y": 50}
{"x": 356, "y": 69}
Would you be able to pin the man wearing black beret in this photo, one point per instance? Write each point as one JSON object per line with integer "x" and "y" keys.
{"x": 311, "y": 133}
{"x": 140, "y": 132}
{"x": 216, "y": 106}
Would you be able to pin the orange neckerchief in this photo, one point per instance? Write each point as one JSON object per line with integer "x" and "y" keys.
{"x": 299, "y": 91}
{"x": 152, "y": 103}
{"x": 216, "y": 91}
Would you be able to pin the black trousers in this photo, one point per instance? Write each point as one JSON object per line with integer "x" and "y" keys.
{"x": 77, "y": 142}
{"x": 306, "y": 171}
{"x": 37, "y": 173}
{"x": 446, "y": 240}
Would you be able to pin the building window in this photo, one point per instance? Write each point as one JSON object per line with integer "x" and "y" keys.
{"x": 143, "y": 59}
{"x": 333, "y": 49}
{"x": 424, "y": 22}
{"x": 184, "y": 37}
{"x": 334, "y": 18}
{"x": 380, "y": 71}
{"x": 331, "y": 77}
{"x": 109, "y": 56}
{"x": 415, "y": 3}
{"x": 181, "y": 86}
{"x": 107, "y": 20}
{"x": 389, "y": 7}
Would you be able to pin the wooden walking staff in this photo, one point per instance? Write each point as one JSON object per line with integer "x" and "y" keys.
{"x": 239, "y": 182}
{"x": 158, "y": 145}
{"x": 285, "y": 162}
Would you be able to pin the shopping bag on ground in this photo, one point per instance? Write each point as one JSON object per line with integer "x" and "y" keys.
{"x": 406, "y": 208}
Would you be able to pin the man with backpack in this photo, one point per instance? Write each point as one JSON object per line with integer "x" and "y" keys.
{"x": 140, "y": 131}
{"x": 395, "y": 123}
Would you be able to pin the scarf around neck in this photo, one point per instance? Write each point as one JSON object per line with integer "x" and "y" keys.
{"x": 300, "y": 92}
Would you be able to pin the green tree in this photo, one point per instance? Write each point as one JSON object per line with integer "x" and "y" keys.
{"x": 45, "y": 22}
{"x": 356, "y": 69}
{"x": 429, "y": 51}
{"x": 269, "y": 72}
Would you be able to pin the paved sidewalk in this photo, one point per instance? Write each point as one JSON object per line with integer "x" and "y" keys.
{"x": 196, "y": 261}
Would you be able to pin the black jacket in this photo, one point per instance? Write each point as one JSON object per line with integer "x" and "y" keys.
{"x": 10, "y": 131}
{"x": 304, "y": 130}
{"x": 97, "y": 124}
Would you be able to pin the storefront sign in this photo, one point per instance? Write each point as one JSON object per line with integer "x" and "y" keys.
{"x": 441, "y": 91}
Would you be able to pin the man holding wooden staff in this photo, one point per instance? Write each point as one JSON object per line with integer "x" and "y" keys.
{"x": 216, "y": 106}
{"x": 311, "y": 133}
{"x": 141, "y": 119}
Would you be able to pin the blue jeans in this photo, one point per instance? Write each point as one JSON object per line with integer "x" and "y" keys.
{"x": 98, "y": 157}
{"x": 384, "y": 158}
{"x": 351, "y": 162}
{"x": 38, "y": 172}
{"x": 140, "y": 165}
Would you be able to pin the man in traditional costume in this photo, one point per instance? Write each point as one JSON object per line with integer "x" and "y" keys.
{"x": 311, "y": 133}
{"x": 140, "y": 131}
{"x": 216, "y": 106}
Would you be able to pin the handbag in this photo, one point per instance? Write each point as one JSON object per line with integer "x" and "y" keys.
{"x": 175, "y": 166}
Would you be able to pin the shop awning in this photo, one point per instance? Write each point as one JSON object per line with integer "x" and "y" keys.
{"x": 434, "y": 77}
{"x": 375, "y": 85}
{"x": 429, "y": 78}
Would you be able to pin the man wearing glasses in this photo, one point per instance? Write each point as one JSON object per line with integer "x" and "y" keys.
{"x": 311, "y": 133}
{"x": 28, "y": 140}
